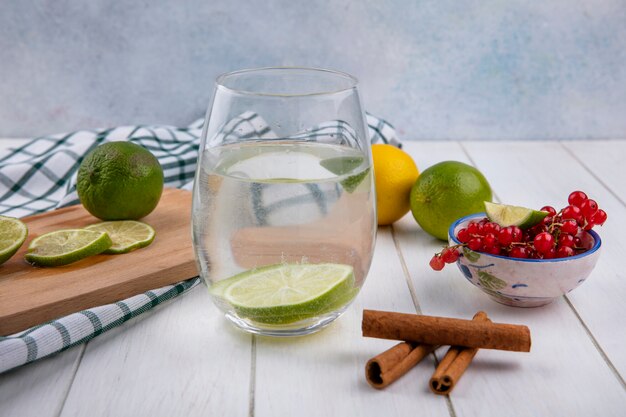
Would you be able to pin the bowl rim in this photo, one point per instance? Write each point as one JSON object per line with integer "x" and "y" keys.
{"x": 594, "y": 248}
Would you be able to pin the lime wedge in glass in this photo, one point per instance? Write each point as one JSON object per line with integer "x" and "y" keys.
{"x": 506, "y": 215}
{"x": 343, "y": 165}
{"x": 12, "y": 235}
{"x": 286, "y": 293}
{"x": 127, "y": 235}
{"x": 63, "y": 247}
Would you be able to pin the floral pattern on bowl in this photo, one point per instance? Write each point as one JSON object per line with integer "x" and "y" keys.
{"x": 524, "y": 282}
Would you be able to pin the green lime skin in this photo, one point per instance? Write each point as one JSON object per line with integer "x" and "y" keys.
{"x": 120, "y": 181}
{"x": 445, "y": 192}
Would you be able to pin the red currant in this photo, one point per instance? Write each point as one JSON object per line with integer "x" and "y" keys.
{"x": 573, "y": 212}
{"x": 543, "y": 242}
{"x": 475, "y": 243}
{"x": 517, "y": 234}
{"x": 490, "y": 240}
{"x": 564, "y": 252}
{"x": 463, "y": 235}
{"x": 449, "y": 255}
{"x": 589, "y": 208}
{"x": 599, "y": 218}
{"x": 518, "y": 252}
{"x": 436, "y": 263}
{"x": 570, "y": 227}
{"x": 488, "y": 228}
{"x": 567, "y": 240}
{"x": 528, "y": 236}
{"x": 550, "y": 254}
{"x": 576, "y": 198}
{"x": 494, "y": 250}
{"x": 505, "y": 237}
{"x": 473, "y": 228}
{"x": 551, "y": 210}
{"x": 535, "y": 230}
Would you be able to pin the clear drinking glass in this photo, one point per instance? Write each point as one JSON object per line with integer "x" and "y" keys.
{"x": 284, "y": 211}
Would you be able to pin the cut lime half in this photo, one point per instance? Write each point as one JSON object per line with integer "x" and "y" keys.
{"x": 286, "y": 293}
{"x": 63, "y": 247}
{"x": 127, "y": 235}
{"x": 12, "y": 235}
{"x": 506, "y": 215}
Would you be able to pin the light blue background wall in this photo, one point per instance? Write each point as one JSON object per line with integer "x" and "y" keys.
{"x": 452, "y": 69}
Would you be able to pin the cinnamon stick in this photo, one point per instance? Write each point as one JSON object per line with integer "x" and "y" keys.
{"x": 432, "y": 330}
{"x": 453, "y": 364}
{"x": 389, "y": 366}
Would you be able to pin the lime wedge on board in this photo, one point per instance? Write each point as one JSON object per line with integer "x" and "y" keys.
{"x": 63, "y": 247}
{"x": 286, "y": 293}
{"x": 12, "y": 235}
{"x": 127, "y": 235}
{"x": 506, "y": 215}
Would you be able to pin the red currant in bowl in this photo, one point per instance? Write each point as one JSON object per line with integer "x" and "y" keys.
{"x": 526, "y": 273}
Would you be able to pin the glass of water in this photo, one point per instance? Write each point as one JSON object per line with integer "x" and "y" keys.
{"x": 284, "y": 211}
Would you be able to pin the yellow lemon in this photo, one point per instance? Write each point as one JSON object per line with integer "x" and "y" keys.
{"x": 395, "y": 173}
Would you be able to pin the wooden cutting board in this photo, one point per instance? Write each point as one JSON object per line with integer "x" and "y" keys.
{"x": 31, "y": 295}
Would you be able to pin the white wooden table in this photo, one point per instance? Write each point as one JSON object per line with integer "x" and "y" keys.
{"x": 184, "y": 359}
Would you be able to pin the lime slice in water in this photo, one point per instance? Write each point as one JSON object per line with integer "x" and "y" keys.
{"x": 286, "y": 293}
{"x": 12, "y": 235}
{"x": 63, "y": 247}
{"x": 343, "y": 165}
{"x": 127, "y": 235}
{"x": 506, "y": 215}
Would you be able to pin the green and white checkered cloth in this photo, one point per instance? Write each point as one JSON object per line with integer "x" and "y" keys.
{"x": 41, "y": 176}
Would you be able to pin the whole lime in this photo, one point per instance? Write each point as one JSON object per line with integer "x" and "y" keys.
{"x": 445, "y": 192}
{"x": 119, "y": 181}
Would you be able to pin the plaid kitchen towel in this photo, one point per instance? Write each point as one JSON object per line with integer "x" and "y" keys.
{"x": 41, "y": 176}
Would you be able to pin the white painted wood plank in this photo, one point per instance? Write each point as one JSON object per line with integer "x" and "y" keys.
{"x": 323, "y": 374}
{"x": 564, "y": 374}
{"x": 180, "y": 360}
{"x": 547, "y": 177}
{"x": 38, "y": 389}
{"x": 606, "y": 159}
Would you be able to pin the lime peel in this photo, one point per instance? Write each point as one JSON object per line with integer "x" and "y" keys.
{"x": 506, "y": 215}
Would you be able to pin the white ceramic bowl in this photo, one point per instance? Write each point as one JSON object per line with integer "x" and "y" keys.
{"x": 524, "y": 282}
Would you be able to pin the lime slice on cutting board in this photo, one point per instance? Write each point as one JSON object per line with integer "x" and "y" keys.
{"x": 12, "y": 235}
{"x": 286, "y": 293}
{"x": 63, "y": 247}
{"x": 506, "y": 215}
{"x": 127, "y": 235}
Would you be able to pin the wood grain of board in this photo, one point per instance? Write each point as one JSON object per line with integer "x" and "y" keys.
{"x": 31, "y": 295}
